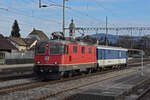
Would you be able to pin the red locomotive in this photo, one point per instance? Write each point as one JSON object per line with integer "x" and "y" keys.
{"x": 56, "y": 58}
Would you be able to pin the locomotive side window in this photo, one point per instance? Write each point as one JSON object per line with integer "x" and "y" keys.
{"x": 90, "y": 50}
{"x": 74, "y": 49}
{"x": 83, "y": 49}
{"x": 40, "y": 48}
{"x": 57, "y": 49}
{"x": 66, "y": 48}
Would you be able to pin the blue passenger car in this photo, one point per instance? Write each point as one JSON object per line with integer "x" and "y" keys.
{"x": 111, "y": 56}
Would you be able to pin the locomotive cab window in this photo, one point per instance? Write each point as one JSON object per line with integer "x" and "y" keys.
{"x": 40, "y": 48}
{"x": 83, "y": 49}
{"x": 57, "y": 49}
{"x": 90, "y": 50}
{"x": 74, "y": 49}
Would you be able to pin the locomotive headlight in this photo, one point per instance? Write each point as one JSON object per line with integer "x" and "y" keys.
{"x": 56, "y": 62}
{"x": 41, "y": 70}
{"x": 38, "y": 62}
{"x": 50, "y": 70}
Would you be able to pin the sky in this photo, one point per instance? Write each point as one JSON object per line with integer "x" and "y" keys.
{"x": 86, "y": 13}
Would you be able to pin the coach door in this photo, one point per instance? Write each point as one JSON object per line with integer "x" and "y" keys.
{"x": 119, "y": 60}
{"x": 103, "y": 57}
{"x": 69, "y": 56}
{"x": 66, "y": 56}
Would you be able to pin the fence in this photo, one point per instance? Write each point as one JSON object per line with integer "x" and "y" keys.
{"x": 16, "y": 57}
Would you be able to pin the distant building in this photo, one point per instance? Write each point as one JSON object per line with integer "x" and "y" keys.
{"x": 30, "y": 42}
{"x": 72, "y": 29}
{"x": 38, "y": 34}
{"x": 19, "y": 43}
{"x": 33, "y": 37}
{"x": 5, "y": 45}
{"x": 23, "y": 44}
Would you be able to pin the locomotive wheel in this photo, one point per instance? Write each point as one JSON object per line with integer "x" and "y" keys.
{"x": 65, "y": 74}
{"x": 70, "y": 74}
{"x": 89, "y": 71}
{"x": 100, "y": 69}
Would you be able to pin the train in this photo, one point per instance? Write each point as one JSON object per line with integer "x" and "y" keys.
{"x": 57, "y": 58}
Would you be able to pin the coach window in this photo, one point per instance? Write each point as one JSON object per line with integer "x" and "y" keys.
{"x": 83, "y": 49}
{"x": 120, "y": 54}
{"x": 90, "y": 50}
{"x": 74, "y": 49}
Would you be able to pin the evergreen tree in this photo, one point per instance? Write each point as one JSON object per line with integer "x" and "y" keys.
{"x": 15, "y": 30}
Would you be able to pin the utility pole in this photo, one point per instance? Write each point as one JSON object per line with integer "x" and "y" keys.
{"x": 142, "y": 53}
{"x": 63, "y": 23}
{"x": 63, "y": 26}
{"x": 40, "y": 3}
{"x": 97, "y": 42}
{"x": 118, "y": 37}
{"x": 131, "y": 39}
{"x": 106, "y": 37}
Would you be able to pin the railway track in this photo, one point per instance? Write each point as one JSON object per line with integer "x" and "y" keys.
{"x": 31, "y": 85}
{"x": 51, "y": 94}
{"x": 146, "y": 90}
{"x": 14, "y": 77}
{"x": 13, "y": 73}
{"x": 34, "y": 84}
{"x": 140, "y": 92}
{"x": 141, "y": 96}
{"x": 8, "y": 78}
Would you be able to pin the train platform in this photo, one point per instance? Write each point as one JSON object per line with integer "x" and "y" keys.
{"x": 118, "y": 88}
{"x": 15, "y": 70}
{"x": 15, "y": 66}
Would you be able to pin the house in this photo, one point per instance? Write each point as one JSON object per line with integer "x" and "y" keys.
{"x": 19, "y": 43}
{"x": 5, "y": 45}
{"x": 38, "y": 34}
{"x": 25, "y": 44}
{"x": 30, "y": 43}
{"x": 5, "y": 48}
{"x": 33, "y": 37}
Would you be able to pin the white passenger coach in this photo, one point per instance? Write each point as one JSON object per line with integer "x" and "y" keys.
{"x": 111, "y": 56}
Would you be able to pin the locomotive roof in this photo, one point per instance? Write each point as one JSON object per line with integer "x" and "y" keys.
{"x": 66, "y": 42}
{"x": 83, "y": 43}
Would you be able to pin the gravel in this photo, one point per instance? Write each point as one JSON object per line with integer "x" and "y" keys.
{"x": 44, "y": 90}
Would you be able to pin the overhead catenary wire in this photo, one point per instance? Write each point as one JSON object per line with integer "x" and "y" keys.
{"x": 81, "y": 12}
{"x": 19, "y": 12}
{"x": 23, "y": 13}
{"x": 106, "y": 9}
